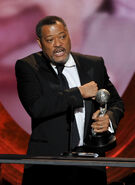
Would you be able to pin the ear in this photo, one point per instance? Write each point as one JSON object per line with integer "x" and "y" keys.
{"x": 39, "y": 42}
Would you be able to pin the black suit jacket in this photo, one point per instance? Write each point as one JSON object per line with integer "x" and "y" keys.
{"x": 39, "y": 92}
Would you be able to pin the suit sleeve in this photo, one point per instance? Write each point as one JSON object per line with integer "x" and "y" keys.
{"x": 115, "y": 104}
{"x": 40, "y": 104}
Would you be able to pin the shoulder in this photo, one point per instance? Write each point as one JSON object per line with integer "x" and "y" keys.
{"x": 87, "y": 59}
{"x": 30, "y": 60}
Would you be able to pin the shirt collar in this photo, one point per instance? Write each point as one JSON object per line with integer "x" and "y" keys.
{"x": 70, "y": 62}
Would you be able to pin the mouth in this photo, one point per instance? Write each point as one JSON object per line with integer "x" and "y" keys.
{"x": 58, "y": 52}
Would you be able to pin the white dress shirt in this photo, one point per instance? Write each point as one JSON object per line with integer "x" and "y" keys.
{"x": 71, "y": 74}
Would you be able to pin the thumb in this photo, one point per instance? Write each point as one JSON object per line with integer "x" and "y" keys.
{"x": 95, "y": 114}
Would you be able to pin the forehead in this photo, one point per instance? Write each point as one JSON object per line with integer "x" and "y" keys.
{"x": 53, "y": 29}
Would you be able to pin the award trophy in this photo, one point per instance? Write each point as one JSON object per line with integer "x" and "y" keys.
{"x": 105, "y": 140}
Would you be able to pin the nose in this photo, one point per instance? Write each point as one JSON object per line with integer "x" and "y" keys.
{"x": 57, "y": 42}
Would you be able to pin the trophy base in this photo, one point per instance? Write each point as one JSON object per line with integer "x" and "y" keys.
{"x": 101, "y": 142}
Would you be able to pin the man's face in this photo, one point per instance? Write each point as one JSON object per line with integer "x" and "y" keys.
{"x": 55, "y": 42}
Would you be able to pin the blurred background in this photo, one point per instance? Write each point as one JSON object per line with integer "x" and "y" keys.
{"x": 97, "y": 27}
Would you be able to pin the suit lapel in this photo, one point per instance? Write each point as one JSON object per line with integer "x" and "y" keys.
{"x": 44, "y": 63}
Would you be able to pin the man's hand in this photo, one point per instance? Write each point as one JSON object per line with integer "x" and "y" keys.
{"x": 89, "y": 90}
{"x": 101, "y": 124}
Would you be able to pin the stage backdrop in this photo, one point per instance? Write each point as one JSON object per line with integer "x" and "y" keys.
{"x": 97, "y": 27}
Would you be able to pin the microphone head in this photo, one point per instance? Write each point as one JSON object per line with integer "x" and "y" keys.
{"x": 102, "y": 96}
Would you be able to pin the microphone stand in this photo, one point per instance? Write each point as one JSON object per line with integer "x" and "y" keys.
{"x": 70, "y": 119}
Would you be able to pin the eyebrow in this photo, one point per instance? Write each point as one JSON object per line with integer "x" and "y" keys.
{"x": 52, "y": 35}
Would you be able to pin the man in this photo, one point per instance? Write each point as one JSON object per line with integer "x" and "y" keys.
{"x": 53, "y": 107}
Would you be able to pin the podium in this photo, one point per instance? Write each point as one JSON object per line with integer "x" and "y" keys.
{"x": 66, "y": 163}
{"x": 67, "y": 160}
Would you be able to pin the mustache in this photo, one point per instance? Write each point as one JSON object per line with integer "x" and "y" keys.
{"x": 58, "y": 49}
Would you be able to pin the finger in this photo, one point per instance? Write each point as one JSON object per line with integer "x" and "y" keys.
{"x": 99, "y": 128}
{"x": 100, "y": 125}
{"x": 95, "y": 114}
{"x": 104, "y": 118}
